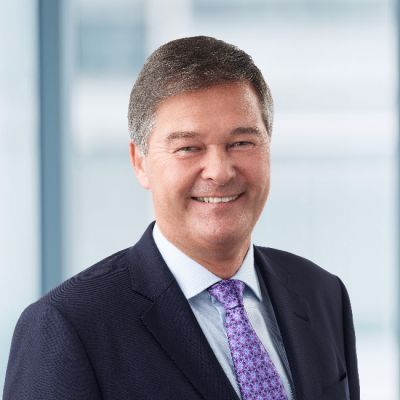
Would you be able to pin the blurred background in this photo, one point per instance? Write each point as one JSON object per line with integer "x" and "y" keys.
{"x": 68, "y": 196}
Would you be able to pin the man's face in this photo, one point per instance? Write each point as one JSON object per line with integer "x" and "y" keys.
{"x": 207, "y": 166}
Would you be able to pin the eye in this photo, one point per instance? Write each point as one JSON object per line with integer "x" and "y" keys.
{"x": 187, "y": 149}
{"x": 242, "y": 144}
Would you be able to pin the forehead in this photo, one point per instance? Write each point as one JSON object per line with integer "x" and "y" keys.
{"x": 219, "y": 108}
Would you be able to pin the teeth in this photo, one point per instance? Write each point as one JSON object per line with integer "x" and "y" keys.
{"x": 216, "y": 199}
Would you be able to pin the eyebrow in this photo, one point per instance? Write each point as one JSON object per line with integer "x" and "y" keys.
{"x": 252, "y": 130}
{"x": 180, "y": 135}
{"x": 191, "y": 134}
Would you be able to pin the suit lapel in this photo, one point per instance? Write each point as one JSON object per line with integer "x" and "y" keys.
{"x": 298, "y": 334}
{"x": 172, "y": 323}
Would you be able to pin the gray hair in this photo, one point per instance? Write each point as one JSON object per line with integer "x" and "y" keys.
{"x": 190, "y": 64}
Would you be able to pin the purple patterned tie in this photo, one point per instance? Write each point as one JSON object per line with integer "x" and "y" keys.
{"x": 256, "y": 374}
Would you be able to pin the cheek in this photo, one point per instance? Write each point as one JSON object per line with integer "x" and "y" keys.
{"x": 174, "y": 180}
{"x": 258, "y": 172}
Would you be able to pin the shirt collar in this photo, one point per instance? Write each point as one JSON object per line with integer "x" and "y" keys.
{"x": 192, "y": 277}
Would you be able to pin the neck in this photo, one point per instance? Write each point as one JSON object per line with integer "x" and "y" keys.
{"x": 222, "y": 259}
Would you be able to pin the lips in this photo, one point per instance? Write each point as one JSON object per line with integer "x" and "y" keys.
{"x": 216, "y": 199}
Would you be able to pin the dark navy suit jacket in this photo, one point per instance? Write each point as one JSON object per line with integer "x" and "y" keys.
{"x": 123, "y": 329}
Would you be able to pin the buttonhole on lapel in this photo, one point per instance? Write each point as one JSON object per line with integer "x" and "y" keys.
{"x": 343, "y": 377}
{"x": 301, "y": 316}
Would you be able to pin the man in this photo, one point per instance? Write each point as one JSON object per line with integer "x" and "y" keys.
{"x": 193, "y": 310}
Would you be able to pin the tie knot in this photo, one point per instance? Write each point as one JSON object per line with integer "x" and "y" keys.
{"x": 228, "y": 292}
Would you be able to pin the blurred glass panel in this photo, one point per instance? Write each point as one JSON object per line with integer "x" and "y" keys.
{"x": 110, "y": 45}
{"x": 19, "y": 267}
{"x": 106, "y": 208}
{"x": 331, "y": 67}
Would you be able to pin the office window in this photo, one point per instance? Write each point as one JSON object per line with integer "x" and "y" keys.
{"x": 19, "y": 220}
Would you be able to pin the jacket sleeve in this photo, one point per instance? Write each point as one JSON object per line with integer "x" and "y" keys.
{"x": 350, "y": 346}
{"x": 48, "y": 360}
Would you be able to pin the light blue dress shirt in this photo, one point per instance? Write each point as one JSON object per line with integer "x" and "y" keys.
{"x": 194, "y": 279}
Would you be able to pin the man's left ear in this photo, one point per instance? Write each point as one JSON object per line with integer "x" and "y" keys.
{"x": 138, "y": 163}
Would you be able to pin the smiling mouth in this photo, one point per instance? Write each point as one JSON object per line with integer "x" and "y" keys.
{"x": 224, "y": 199}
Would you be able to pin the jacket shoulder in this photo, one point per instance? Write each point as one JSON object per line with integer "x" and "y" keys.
{"x": 301, "y": 272}
{"x": 91, "y": 290}
{"x": 290, "y": 261}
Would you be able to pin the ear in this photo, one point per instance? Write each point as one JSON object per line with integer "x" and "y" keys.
{"x": 138, "y": 162}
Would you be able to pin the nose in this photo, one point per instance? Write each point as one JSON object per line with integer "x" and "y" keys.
{"x": 218, "y": 167}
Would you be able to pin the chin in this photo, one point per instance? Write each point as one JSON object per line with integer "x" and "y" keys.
{"x": 224, "y": 235}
